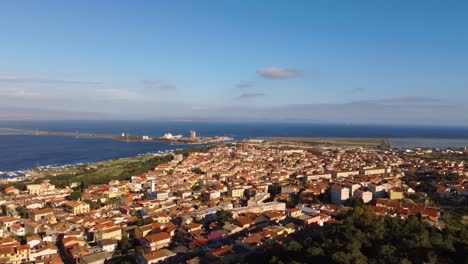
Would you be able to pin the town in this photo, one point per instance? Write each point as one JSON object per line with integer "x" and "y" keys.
{"x": 223, "y": 204}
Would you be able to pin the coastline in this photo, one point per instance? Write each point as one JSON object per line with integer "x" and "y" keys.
{"x": 27, "y": 174}
{"x": 138, "y": 138}
{"x": 409, "y": 142}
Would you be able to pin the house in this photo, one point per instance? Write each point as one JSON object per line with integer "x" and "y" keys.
{"x": 346, "y": 173}
{"x": 8, "y": 254}
{"x": 109, "y": 245}
{"x": 22, "y": 253}
{"x": 339, "y": 194}
{"x": 223, "y": 254}
{"x": 161, "y": 218}
{"x": 396, "y": 193}
{"x": 156, "y": 241}
{"x": 374, "y": 171}
{"x": 7, "y": 221}
{"x": 236, "y": 192}
{"x": 33, "y": 241}
{"x": 110, "y": 231}
{"x": 243, "y": 222}
{"x": 44, "y": 187}
{"x": 366, "y": 196}
{"x": 378, "y": 191}
{"x": 76, "y": 208}
{"x": 142, "y": 231}
{"x": 155, "y": 257}
{"x": 94, "y": 258}
{"x": 125, "y": 209}
{"x": 275, "y": 215}
{"x": 293, "y": 212}
{"x": 11, "y": 190}
{"x": 161, "y": 195}
{"x": 210, "y": 195}
{"x": 17, "y": 230}
{"x": 40, "y": 214}
{"x": 289, "y": 189}
{"x": 306, "y": 220}
{"x": 43, "y": 251}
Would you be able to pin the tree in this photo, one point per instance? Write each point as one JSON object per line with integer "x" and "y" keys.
{"x": 139, "y": 250}
{"x": 274, "y": 190}
{"x": 367, "y": 238}
{"x": 196, "y": 188}
{"x": 222, "y": 216}
{"x": 22, "y": 211}
{"x": 124, "y": 245}
{"x": 92, "y": 204}
{"x": 293, "y": 246}
{"x": 354, "y": 201}
{"x": 197, "y": 170}
{"x": 74, "y": 196}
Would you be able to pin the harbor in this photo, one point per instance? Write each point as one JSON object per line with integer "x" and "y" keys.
{"x": 168, "y": 138}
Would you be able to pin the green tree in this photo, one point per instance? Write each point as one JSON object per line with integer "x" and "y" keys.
{"x": 197, "y": 170}
{"x": 293, "y": 246}
{"x": 196, "y": 187}
{"x": 22, "y": 211}
{"x": 74, "y": 196}
{"x": 354, "y": 201}
{"x": 92, "y": 204}
{"x": 274, "y": 190}
{"x": 222, "y": 216}
{"x": 124, "y": 245}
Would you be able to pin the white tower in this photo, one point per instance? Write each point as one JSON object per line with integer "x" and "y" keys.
{"x": 153, "y": 186}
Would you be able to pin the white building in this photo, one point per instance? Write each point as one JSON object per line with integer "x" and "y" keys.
{"x": 366, "y": 196}
{"x": 161, "y": 195}
{"x": 339, "y": 194}
{"x": 378, "y": 191}
{"x": 345, "y": 174}
{"x": 168, "y": 136}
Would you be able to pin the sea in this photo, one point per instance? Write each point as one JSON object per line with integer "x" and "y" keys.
{"x": 22, "y": 152}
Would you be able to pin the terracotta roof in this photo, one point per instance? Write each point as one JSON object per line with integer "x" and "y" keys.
{"x": 158, "y": 237}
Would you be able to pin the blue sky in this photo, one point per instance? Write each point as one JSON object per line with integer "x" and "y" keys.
{"x": 312, "y": 61}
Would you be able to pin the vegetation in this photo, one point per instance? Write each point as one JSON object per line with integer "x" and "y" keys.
{"x": 196, "y": 187}
{"x": 354, "y": 202}
{"x": 197, "y": 171}
{"x": 124, "y": 246}
{"x": 74, "y": 196}
{"x": 274, "y": 190}
{"x": 98, "y": 173}
{"x": 92, "y": 204}
{"x": 367, "y": 238}
{"x": 223, "y": 216}
{"x": 22, "y": 211}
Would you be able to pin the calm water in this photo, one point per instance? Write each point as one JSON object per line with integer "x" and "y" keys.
{"x": 23, "y": 152}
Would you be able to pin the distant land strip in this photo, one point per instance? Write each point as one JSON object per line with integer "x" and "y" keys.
{"x": 375, "y": 142}
{"x": 200, "y": 140}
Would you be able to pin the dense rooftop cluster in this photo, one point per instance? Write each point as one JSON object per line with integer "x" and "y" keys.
{"x": 220, "y": 205}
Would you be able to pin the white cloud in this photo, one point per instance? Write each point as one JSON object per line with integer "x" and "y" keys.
{"x": 278, "y": 73}
{"x": 20, "y": 93}
{"x": 120, "y": 95}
